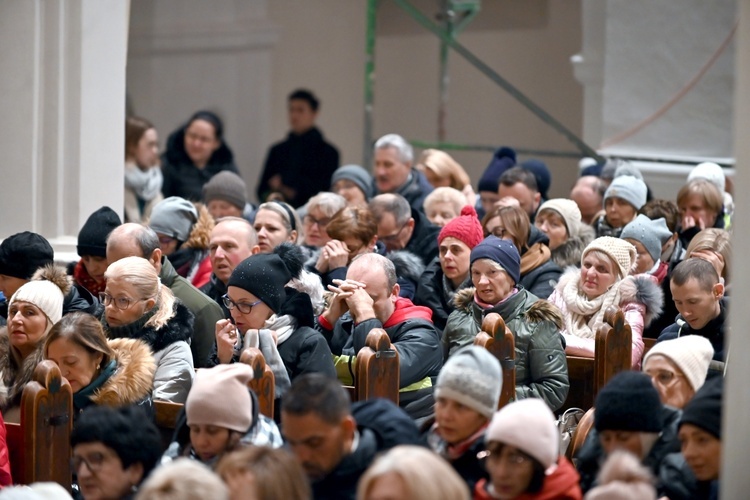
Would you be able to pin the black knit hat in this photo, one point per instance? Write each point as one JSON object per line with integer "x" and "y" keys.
{"x": 23, "y": 253}
{"x": 92, "y": 238}
{"x": 629, "y": 402}
{"x": 503, "y": 159}
{"x": 263, "y": 275}
{"x": 704, "y": 410}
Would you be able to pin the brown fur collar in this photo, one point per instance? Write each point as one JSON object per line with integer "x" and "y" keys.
{"x": 541, "y": 310}
{"x": 134, "y": 379}
{"x": 15, "y": 378}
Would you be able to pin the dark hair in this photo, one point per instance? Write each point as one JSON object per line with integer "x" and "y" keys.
{"x": 515, "y": 175}
{"x": 698, "y": 269}
{"x": 655, "y": 209}
{"x": 135, "y": 127}
{"x": 316, "y": 393}
{"x": 537, "y": 477}
{"x": 83, "y": 330}
{"x": 305, "y": 95}
{"x": 212, "y": 118}
{"x": 127, "y": 431}
{"x": 358, "y": 222}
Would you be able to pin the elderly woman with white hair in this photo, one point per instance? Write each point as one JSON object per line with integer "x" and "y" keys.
{"x": 138, "y": 306}
{"x": 443, "y": 205}
{"x": 560, "y": 220}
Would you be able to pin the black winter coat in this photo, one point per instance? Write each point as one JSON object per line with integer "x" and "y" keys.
{"x": 215, "y": 289}
{"x": 181, "y": 176}
{"x": 715, "y": 330}
{"x": 305, "y": 163}
{"x": 431, "y": 293}
{"x": 423, "y": 242}
{"x": 416, "y": 190}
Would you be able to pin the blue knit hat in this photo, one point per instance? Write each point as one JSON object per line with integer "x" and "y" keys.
{"x": 501, "y": 251}
{"x": 628, "y": 188}
{"x": 503, "y": 159}
{"x": 652, "y": 234}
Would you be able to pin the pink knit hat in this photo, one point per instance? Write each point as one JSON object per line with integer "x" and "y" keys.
{"x": 220, "y": 397}
{"x": 466, "y": 227}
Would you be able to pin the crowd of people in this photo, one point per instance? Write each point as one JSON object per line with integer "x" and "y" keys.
{"x": 160, "y": 307}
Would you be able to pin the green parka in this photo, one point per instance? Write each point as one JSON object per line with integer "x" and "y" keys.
{"x": 541, "y": 366}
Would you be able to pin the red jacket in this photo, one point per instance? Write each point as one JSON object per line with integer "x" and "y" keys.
{"x": 203, "y": 275}
{"x": 5, "y": 477}
{"x": 562, "y": 484}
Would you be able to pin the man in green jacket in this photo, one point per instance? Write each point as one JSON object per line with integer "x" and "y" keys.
{"x": 134, "y": 240}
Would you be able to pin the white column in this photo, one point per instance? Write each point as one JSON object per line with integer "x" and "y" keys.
{"x": 735, "y": 481}
{"x": 63, "y": 108}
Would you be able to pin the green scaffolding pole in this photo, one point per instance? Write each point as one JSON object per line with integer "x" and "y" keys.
{"x": 372, "y": 9}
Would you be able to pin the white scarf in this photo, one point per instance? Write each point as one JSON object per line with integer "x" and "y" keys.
{"x": 580, "y": 308}
{"x": 145, "y": 183}
{"x": 263, "y": 340}
{"x": 284, "y": 326}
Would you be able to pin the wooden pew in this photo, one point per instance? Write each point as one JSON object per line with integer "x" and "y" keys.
{"x": 39, "y": 447}
{"x": 613, "y": 355}
{"x": 498, "y": 339}
{"x": 376, "y": 370}
{"x": 647, "y": 345}
{"x": 579, "y": 436}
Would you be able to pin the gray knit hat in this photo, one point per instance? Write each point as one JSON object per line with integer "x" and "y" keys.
{"x": 629, "y": 188}
{"x": 472, "y": 377}
{"x": 357, "y": 175}
{"x": 651, "y": 233}
{"x": 174, "y": 217}
{"x": 226, "y": 186}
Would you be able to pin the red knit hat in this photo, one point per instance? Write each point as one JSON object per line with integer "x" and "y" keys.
{"x": 466, "y": 227}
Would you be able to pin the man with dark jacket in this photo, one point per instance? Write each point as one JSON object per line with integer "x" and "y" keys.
{"x": 394, "y": 173}
{"x": 334, "y": 441}
{"x": 369, "y": 298}
{"x": 401, "y": 227}
{"x": 135, "y": 240}
{"x": 699, "y": 297}
{"x": 302, "y": 165}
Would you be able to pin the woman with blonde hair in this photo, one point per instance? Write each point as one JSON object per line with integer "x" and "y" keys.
{"x": 701, "y": 206}
{"x": 441, "y": 170}
{"x": 275, "y": 223}
{"x": 138, "y": 306}
{"x": 715, "y": 246}
{"x": 263, "y": 473}
{"x": 443, "y": 205}
{"x": 411, "y": 472}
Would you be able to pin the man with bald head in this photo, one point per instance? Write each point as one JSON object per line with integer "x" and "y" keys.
{"x": 233, "y": 240}
{"x": 368, "y": 298}
{"x": 588, "y": 193}
{"x": 134, "y": 240}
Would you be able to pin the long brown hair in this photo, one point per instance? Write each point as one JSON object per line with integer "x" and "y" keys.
{"x": 135, "y": 127}
{"x": 83, "y": 330}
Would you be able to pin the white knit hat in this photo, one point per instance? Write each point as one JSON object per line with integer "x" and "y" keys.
{"x": 629, "y": 188}
{"x": 620, "y": 251}
{"x": 46, "y": 290}
{"x": 528, "y": 425}
{"x": 710, "y": 171}
{"x": 568, "y": 210}
{"x": 692, "y": 354}
{"x": 472, "y": 377}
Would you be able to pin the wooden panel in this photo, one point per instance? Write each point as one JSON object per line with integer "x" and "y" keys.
{"x": 497, "y": 338}
{"x": 377, "y": 368}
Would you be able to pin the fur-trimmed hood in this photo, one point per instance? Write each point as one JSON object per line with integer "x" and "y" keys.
{"x": 179, "y": 327}
{"x": 540, "y": 310}
{"x": 569, "y": 253}
{"x": 134, "y": 379}
{"x": 15, "y": 378}
{"x": 407, "y": 264}
{"x": 641, "y": 288}
{"x": 200, "y": 235}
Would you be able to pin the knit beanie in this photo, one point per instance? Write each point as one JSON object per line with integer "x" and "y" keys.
{"x": 711, "y": 172}
{"x": 651, "y": 233}
{"x": 357, "y": 175}
{"x": 541, "y": 174}
{"x": 503, "y": 159}
{"x": 174, "y": 217}
{"x": 501, "y": 251}
{"x": 691, "y": 354}
{"x": 528, "y": 425}
{"x": 472, "y": 377}
{"x": 704, "y": 410}
{"x": 23, "y": 253}
{"x": 263, "y": 275}
{"x": 620, "y": 251}
{"x": 629, "y": 188}
{"x": 466, "y": 227}
{"x": 629, "y": 402}
{"x": 92, "y": 238}
{"x": 46, "y": 290}
{"x": 568, "y": 210}
{"x": 627, "y": 168}
{"x": 226, "y": 186}
{"x": 219, "y": 396}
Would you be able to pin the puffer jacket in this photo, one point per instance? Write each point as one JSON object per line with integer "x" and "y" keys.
{"x": 569, "y": 253}
{"x": 541, "y": 366}
{"x": 641, "y": 300}
{"x": 432, "y": 293}
{"x": 170, "y": 347}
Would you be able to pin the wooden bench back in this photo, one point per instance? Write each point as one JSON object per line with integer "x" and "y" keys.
{"x": 579, "y": 436}
{"x": 377, "y": 368}
{"x": 613, "y": 355}
{"x": 39, "y": 447}
{"x": 497, "y": 338}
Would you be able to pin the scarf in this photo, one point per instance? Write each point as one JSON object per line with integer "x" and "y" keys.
{"x": 453, "y": 452}
{"x": 130, "y": 331}
{"x": 585, "y": 315}
{"x": 536, "y": 255}
{"x": 82, "y": 398}
{"x": 82, "y": 277}
{"x": 145, "y": 183}
{"x": 449, "y": 292}
{"x": 485, "y": 305}
{"x": 263, "y": 339}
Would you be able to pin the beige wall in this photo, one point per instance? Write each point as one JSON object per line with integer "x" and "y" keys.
{"x": 321, "y": 46}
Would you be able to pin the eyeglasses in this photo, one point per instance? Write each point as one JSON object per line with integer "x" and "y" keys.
{"x": 514, "y": 459}
{"x": 122, "y": 303}
{"x": 663, "y": 377}
{"x": 393, "y": 238}
{"x": 309, "y": 220}
{"x": 243, "y": 307}
{"x": 94, "y": 462}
